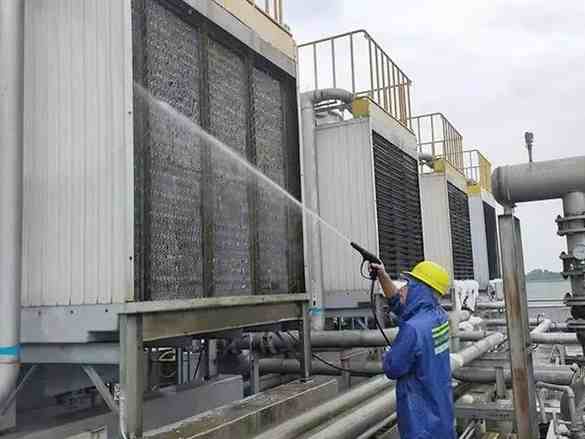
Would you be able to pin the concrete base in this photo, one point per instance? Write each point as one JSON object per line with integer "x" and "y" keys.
{"x": 251, "y": 416}
{"x": 166, "y": 407}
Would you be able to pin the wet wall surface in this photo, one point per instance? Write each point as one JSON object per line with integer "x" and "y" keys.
{"x": 203, "y": 227}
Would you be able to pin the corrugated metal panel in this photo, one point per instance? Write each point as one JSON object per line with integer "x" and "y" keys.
{"x": 478, "y": 238}
{"x": 346, "y": 200}
{"x": 436, "y": 223}
{"x": 78, "y": 149}
{"x": 398, "y": 207}
{"x": 460, "y": 233}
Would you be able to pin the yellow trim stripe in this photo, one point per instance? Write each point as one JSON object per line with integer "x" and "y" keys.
{"x": 441, "y": 327}
{"x": 438, "y": 328}
{"x": 443, "y": 332}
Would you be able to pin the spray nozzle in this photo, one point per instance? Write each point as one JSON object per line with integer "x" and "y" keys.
{"x": 369, "y": 257}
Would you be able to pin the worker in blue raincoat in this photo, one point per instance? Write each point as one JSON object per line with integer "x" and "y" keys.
{"x": 419, "y": 358}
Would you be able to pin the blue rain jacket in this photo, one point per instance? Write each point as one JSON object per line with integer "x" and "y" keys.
{"x": 419, "y": 362}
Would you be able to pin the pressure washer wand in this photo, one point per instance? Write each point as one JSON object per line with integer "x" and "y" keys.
{"x": 372, "y": 259}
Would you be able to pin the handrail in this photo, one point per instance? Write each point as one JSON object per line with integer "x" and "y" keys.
{"x": 272, "y": 8}
{"x": 370, "y": 71}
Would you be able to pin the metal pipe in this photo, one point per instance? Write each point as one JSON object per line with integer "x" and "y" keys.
{"x": 323, "y": 413}
{"x": 573, "y": 227}
{"x": 11, "y": 165}
{"x": 543, "y": 327}
{"x": 577, "y": 428}
{"x": 351, "y": 424}
{"x": 532, "y": 322}
{"x": 291, "y": 367}
{"x": 272, "y": 342}
{"x": 484, "y": 375}
{"x": 538, "y": 181}
{"x": 560, "y": 338}
{"x": 380, "y": 425}
{"x": 476, "y": 350}
{"x": 310, "y": 192}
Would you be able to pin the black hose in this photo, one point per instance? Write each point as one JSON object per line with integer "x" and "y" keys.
{"x": 373, "y": 277}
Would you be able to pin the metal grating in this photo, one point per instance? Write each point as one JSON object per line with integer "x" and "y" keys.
{"x": 491, "y": 234}
{"x": 398, "y": 207}
{"x": 203, "y": 228}
{"x": 460, "y": 233}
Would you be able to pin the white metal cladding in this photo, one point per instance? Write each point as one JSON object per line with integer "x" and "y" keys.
{"x": 78, "y": 146}
{"x": 436, "y": 223}
{"x": 479, "y": 240}
{"x": 346, "y": 200}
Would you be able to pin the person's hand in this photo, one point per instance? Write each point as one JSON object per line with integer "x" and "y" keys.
{"x": 379, "y": 270}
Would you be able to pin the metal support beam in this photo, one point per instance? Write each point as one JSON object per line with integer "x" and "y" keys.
{"x": 131, "y": 375}
{"x": 254, "y": 372}
{"x": 518, "y": 329}
{"x": 101, "y": 388}
{"x": 305, "y": 337}
{"x": 10, "y": 399}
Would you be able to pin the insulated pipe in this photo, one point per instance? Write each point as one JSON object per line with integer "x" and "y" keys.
{"x": 11, "y": 163}
{"x": 482, "y": 375}
{"x": 562, "y": 338}
{"x": 291, "y": 367}
{"x": 383, "y": 405}
{"x": 542, "y": 328}
{"x": 350, "y": 425}
{"x": 272, "y": 342}
{"x": 312, "y": 240}
{"x": 538, "y": 181}
{"x": 532, "y": 322}
{"x": 323, "y": 413}
{"x": 321, "y": 339}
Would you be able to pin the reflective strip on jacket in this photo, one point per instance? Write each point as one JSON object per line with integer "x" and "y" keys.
{"x": 419, "y": 362}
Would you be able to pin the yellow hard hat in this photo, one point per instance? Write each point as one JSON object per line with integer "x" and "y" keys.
{"x": 432, "y": 275}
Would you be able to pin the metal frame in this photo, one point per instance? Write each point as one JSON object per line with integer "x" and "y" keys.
{"x": 437, "y": 136}
{"x": 518, "y": 329}
{"x": 143, "y": 322}
{"x": 389, "y": 86}
{"x": 273, "y": 9}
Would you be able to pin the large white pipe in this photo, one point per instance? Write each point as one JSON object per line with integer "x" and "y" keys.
{"x": 538, "y": 181}
{"x": 11, "y": 113}
{"x": 311, "y": 235}
{"x": 349, "y": 423}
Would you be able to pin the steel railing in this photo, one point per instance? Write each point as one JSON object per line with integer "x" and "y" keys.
{"x": 477, "y": 169}
{"x": 274, "y": 9}
{"x": 436, "y": 135}
{"x": 370, "y": 71}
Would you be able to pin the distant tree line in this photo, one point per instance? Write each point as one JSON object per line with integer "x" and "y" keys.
{"x": 543, "y": 275}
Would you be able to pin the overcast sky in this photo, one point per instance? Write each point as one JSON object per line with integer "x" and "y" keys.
{"x": 496, "y": 68}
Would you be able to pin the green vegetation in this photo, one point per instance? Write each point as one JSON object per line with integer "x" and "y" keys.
{"x": 539, "y": 275}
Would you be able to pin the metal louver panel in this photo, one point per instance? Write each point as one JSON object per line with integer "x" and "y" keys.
{"x": 398, "y": 207}
{"x": 202, "y": 227}
{"x": 460, "y": 233}
{"x": 491, "y": 234}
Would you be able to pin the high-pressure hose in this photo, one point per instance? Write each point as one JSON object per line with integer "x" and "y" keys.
{"x": 370, "y": 258}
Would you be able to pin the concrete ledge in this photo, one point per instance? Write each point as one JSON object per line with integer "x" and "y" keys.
{"x": 250, "y": 416}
